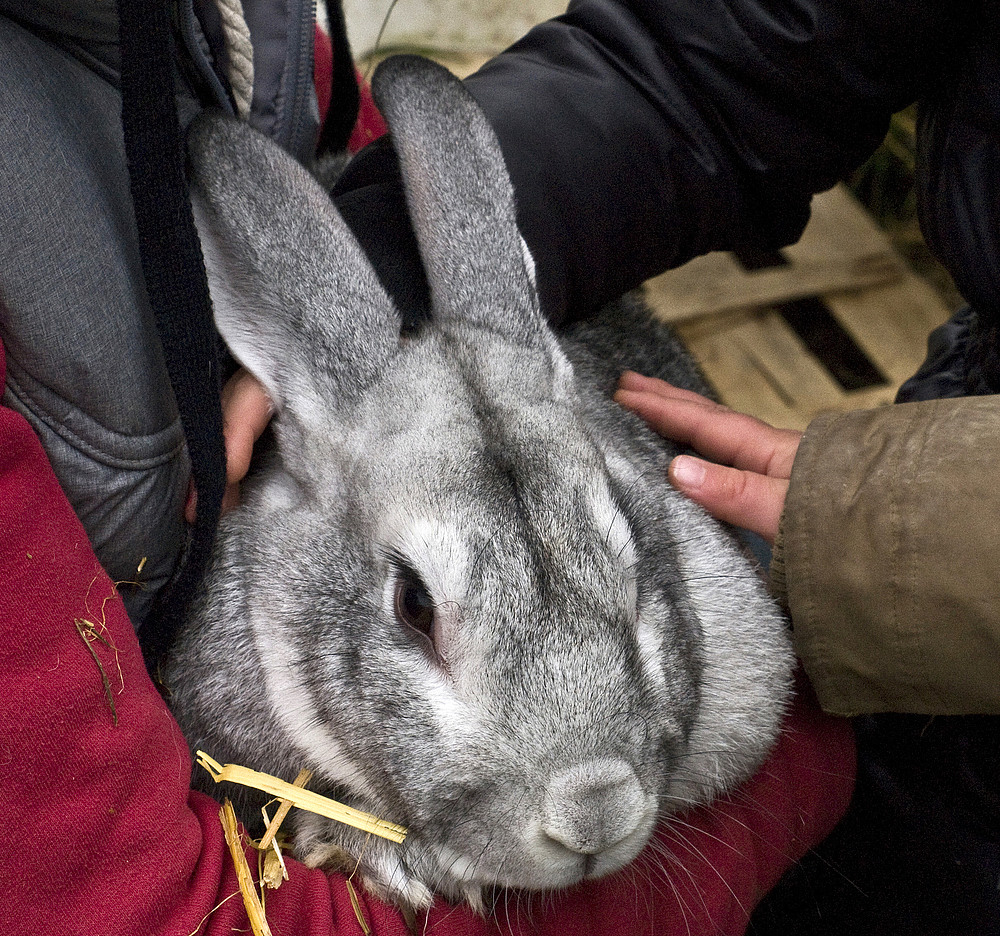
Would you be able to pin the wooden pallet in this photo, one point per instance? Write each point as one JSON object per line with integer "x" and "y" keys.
{"x": 839, "y": 325}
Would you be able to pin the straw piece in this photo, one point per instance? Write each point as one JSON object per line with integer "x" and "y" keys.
{"x": 255, "y": 912}
{"x": 304, "y": 799}
{"x": 305, "y": 774}
{"x": 356, "y": 907}
{"x": 274, "y": 871}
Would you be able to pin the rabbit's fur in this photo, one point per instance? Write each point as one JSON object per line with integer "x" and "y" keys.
{"x": 596, "y": 652}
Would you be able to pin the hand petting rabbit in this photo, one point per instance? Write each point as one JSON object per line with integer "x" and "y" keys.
{"x": 460, "y": 588}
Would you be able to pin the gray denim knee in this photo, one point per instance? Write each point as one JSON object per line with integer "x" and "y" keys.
{"x": 83, "y": 357}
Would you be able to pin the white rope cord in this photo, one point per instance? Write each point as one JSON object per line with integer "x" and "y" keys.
{"x": 239, "y": 52}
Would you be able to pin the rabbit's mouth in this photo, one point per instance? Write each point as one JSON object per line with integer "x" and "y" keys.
{"x": 409, "y": 875}
{"x": 594, "y": 819}
{"x": 463, "y": 879}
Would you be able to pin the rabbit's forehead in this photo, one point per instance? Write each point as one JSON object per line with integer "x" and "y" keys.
{"x": 439, "y": 432}
{"x": 483, "y": 551}
{"x": 485, "y": 479}
{"x": 465, "y": 374}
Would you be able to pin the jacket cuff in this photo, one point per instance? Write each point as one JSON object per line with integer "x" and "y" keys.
{"x": 890, "y": 539}
{"x": 778, "y": 583}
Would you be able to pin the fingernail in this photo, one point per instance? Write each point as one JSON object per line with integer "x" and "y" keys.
{"x": 632, "y": 380}
{"x": 687, "y": 472}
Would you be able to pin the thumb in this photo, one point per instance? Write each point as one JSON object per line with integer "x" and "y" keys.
{"x": 744, "y": 498}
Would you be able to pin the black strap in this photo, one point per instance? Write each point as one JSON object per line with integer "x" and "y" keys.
{"x": 345, "y": 97}
{"x": 176, "y": 284}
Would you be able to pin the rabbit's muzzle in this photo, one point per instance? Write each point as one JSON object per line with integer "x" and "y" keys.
{"x": 596, "y": 817}
{"x": 594, "y": 807}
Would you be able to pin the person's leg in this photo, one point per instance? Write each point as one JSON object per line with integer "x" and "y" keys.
{"x": 83, "y": 359}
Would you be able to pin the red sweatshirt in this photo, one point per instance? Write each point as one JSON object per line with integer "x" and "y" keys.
{"x": 104, "y": 836}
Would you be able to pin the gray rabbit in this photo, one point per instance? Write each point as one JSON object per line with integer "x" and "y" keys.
{"x": 460, "y": 590}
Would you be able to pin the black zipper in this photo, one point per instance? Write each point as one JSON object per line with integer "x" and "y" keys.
{"x": 296, "y": 130}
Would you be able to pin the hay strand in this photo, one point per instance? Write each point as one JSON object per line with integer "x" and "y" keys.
{"x": 283, "y": 808}
{"x": 255, "y": 912}
{"x": 274, "y": 871}
{"x": 95, "y": 630}
{"x": 89, "y": 633}
{"x": 304, "y": 799}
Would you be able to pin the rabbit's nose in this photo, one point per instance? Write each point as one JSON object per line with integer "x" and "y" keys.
{"x": 596, "y": 805}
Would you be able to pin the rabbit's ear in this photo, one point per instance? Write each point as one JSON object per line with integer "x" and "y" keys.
{"x": 295, "y": 298}
{"x": 460, "y": 199}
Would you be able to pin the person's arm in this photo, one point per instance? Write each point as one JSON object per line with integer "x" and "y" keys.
{"x": 640, "y": 133}
{"x": 891, "y": 552}
{"x": 889, "y": 547}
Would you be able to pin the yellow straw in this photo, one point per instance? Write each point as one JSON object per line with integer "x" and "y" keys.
{"x": 304, "y": 799}
{"x": 255, "y": 912}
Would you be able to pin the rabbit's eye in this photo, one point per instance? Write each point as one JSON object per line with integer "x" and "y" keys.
{"x": 413, "y": 605}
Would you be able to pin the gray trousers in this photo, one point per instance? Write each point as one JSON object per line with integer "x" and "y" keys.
{"x": 84, "y": 364}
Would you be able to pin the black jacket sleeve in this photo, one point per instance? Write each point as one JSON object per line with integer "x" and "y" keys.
{"x": 640, "y": 133}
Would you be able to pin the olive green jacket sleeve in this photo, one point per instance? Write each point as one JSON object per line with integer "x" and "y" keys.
{"x": 889, "y": 558}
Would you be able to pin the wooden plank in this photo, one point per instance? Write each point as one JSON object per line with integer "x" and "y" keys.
{"x": 891, "y": 323}
{"x": 461, "y": 25}
{"x": 757, "y": 364}
{"x": 840, "y": 249}
{"x": 716, "y": 282}
{"x": 750, "y": 353}
{"x": 839, "y": 229}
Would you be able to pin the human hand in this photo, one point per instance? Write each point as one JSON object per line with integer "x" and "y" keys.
{"x": 246, "y": 411}
{"x": 750, "y": 494}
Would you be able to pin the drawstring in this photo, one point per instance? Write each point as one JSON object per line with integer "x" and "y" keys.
{"x": 345, "y": 97}
{"x": 239, "y": 54}
{"x": 176, "y": 285}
